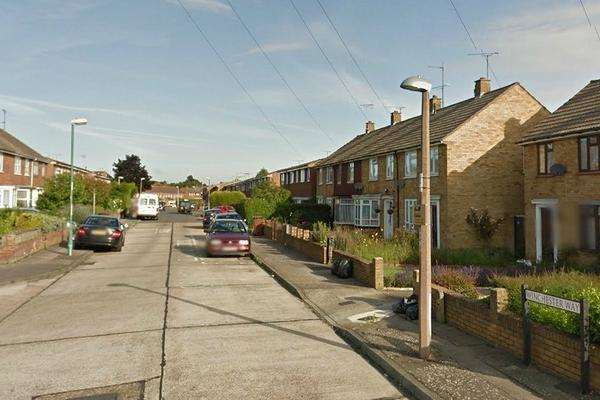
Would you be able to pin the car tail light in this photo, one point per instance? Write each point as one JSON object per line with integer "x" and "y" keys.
{"x": 117, "y": 234}
{"x": 81, "y": 232}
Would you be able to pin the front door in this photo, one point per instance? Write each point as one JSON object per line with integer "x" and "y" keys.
{"x": 547, "y": 234}
{"x": 519, "y": 232}
{"x": 434, "y": 224}
{"x": 388, "y": 219}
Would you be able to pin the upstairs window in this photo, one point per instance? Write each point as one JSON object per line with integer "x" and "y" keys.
{"x": 1, "y": 162}
{"x": 339, "y": 175}
{"x": 302, "y": 175}
{"x": 434, "y": 164}
{"x": 320, "y": 176}
{"x": 307, "y": 174}
{"x": 373, "y": 169}
{"x": 27, "y": 167}
{"x": 282, "y": 179}
{"x": 35, "y": 168}
{"x": 589, "y": 153}
{"x": 545, "y": 158}
{"x": 17, "y": 165}
{"x": 329, "y": 175}
{"x": 389, "y": 166}
{"x": 350, "y": 177}
{"x": 410, "y": 164}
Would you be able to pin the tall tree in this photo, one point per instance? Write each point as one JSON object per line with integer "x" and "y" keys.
{"x": 190, "y": 181}
{"x": 132, "y": 170}
{"x": 263, "y": 173}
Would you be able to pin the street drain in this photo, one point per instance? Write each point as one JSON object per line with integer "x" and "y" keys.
{"x": 371, "y": 316}
{"x": 125, "y": 391}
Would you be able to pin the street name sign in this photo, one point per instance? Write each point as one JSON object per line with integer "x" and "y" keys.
{"x": 552, "y": 301}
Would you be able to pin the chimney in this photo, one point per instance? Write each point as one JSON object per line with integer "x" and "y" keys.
{"x": 395, "y": 117}
{"x": 435, "y": 103}
{"x": 369, "y": 126}
{"x": 482, "y": 86}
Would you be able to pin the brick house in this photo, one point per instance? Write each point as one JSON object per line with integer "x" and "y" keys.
{"x": 23, "y": 172}
{"x": 247, "y": 185}
{"x": 300, "y": 180}
{"x": 561, "y": 157}
{"x": 372, "y": 181}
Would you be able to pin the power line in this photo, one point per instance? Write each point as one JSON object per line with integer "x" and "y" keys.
{"x": 278, "y": 72}
{"x": 464, "y": 25}
{"x": 352, "y": 56}
{"x": 236, "y": 79}
{"x": 587, "y": 16}
{"x": 328, "y": 60}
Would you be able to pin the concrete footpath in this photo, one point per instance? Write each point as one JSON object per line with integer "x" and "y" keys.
{"x": 464, "y": 367}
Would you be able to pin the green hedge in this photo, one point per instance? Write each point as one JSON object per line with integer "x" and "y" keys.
{"x": 15, "y": 221}
{"x": 569, "y": 285}
{"x": 254, "y": 207}
{"x": 304, "y": 214}
{"x": 226, "y": 198}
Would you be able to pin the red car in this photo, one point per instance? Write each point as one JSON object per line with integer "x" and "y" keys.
{"x": 228, "y": 237}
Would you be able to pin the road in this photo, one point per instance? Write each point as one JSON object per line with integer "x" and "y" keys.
{"x": 162, "y": 320}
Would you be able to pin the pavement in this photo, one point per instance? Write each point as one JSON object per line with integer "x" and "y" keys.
{"x": 160, "y": 320}
{"x": 463, "y": 366}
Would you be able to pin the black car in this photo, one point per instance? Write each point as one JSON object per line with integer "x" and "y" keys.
{"x": 185, "y": 207}
{"x": 100, "y": 231}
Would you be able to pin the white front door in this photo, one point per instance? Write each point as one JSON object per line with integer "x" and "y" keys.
{"x": 388, "y": 218}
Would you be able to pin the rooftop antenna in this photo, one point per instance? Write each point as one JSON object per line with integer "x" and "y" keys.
{"x": 3, "y": 119}
{"x": 367, "y": 106}
{"x": 486, "y": 55}
{"x": 442, "y": 68}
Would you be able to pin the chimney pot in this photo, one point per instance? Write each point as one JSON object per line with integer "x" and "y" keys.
{"x": 482, "y": 86}
{"x": 369, "y": 126}
{"x": 435, "y": 103}
{"x": 395, "y": 117}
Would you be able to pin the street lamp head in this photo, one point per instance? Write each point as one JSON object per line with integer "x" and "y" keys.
{"x": 416, "y": 83}
{"x": 79, "y": 121}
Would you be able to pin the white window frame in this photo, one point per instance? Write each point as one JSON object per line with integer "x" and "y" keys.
{"x": 344, "y": 211}
{"x": 1, "y": 165}
{"x": 307, "y": 174}
{"x": 370, "y": 218}
{"x": 302, "y": 175}
{"x": 409, "y": 214}
{"x": 9, "y": 192}
{"x": 339, "y": 175}
{"x": 373, "y": 169}
{"x": 18, "y": 166}
{"x": 434, "y": 161}
{"x": 408, "y": 157}
{"x": 27, "y": 197}
{"x": 35, "y": 168}
{"x": 389, "y": 166}
{"x": 27, "y": 168}
{"x": 320, "y": 176}
{"x": 282, "y": 178}
{"x": 350, "y": 177}
{"x": 329, "y": 175}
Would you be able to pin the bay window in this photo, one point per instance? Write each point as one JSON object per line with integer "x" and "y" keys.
{"x": 589, "y": 153}
{"x": 389, "y": 166}
{"x": 373, "y": 169}
{"x": 344, "y": 211}
{"x": 365, "y": 212}
{"x": 410, "y": 164}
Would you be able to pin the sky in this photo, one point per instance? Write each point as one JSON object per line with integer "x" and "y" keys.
{"x": 149, "y": 84}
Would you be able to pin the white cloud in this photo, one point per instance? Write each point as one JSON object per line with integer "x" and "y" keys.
{"x": 214, "y": 6}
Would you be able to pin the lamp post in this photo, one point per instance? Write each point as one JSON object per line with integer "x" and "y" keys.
{"x": 141, "y": 184}
{"x": 208, "y": 195}
{"x": 76, "y": 121}
{"x": 119, "y": 179}
{"x": 177, "y": 198}
{"x": 418, "y": 84}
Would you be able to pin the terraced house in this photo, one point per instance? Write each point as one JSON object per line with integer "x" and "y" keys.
{"x": 300, "y": 180}
{"x": 373, "y": 180}
{"x": 562, "y": 180}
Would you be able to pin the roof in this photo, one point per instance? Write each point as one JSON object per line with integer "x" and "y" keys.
{"x": 407, "y": 134}
{"x": 578, "y": 115}
{"x": 10, "y": 144}
{"x": 298, "y": 166}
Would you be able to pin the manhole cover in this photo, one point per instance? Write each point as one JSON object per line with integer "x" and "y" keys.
{"x": 125, "y": 391}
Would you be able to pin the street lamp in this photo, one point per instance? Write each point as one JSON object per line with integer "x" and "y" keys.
{"x": 177, "y": 198}
{"x": 119, "y": 179}
{"x": 418, "y": 84}
{"x": 208, "y": 195}
{"x": 141, "y": 184}
{"x": 76, "y": 121}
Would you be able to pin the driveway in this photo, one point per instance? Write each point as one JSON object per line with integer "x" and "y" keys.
{"x": 163, "y": 321}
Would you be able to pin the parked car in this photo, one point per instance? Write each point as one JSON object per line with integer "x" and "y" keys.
{"x": 161, "y": 206}
{"x": 229, "y": 215}
{"x": 209, "y": 216}
{"x": 185, "y": 207}
{"x": 228, "y": 237}
{"x": 100, "y": 231}
{"x": 144, "y": 206}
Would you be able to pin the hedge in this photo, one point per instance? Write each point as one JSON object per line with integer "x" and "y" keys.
{"x": 226, "y": 198}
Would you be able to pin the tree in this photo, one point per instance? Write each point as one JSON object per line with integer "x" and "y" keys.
{"x": 132, "y": 170}
{"x": 484, "y": 224}
{"x": 57, "y": 190}
{"x": 263, "y": 173}
{"x": 190, "y": 181}
{"x": 226, "y": 198}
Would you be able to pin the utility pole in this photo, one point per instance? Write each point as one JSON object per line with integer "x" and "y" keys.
{"x": 486, "y": 55}
{"x": 442, "y": 68}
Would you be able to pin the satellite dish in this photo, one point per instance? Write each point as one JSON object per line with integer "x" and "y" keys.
{"x": 558, "y": 170}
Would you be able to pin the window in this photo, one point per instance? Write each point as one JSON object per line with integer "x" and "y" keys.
{"x": 282, "y": 178}
{"x": 590, "y": 227}
{"x": 589, "y": 153}
{"x": 17, "y": 165}
{"x": 365, "y": 212}
{"x": 329, "y": 175}
{"x": 307, "y": 175}
{"x": 1, "y": 162}
{"x": 389, "y": 166}
{"x": 302, "y": 175}
{"x": 545, "y": 158}
{"x": 373, "y": 169}
{"x": 434, "y": 164}
{"x": 350, "y": 177}
{"x": 339, "y": 175}
{"x": 410, "y": 164}
{"x": 320, "y": 176}
{"x": 409, "y": 214}
{"x": 22, "y": 198}
{"x": 344, "y": 211}
{"x": 27, "y": 167}
{"x": 6, "y": 198}
{"x": 35, "y": 168}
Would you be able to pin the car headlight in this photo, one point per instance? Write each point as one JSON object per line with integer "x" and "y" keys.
{"x": 215, "y": 242}
{"x": 244, "y": 242}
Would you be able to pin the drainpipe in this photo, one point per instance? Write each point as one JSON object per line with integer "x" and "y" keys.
{"x": 397, "y": 184}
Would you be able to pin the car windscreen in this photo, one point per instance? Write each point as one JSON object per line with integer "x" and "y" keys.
{"x": 102, "y": 221}
{"x": 152, "y": 202}
{"x": 225, "y": 226}
{"x": 144, "y": 202}
{"x": 229, "y": 216}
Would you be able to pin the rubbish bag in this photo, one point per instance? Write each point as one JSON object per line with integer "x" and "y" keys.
{"x": 345, "y": 269}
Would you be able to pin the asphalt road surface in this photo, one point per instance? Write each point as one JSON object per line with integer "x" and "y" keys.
{"x": 162, "y": 320}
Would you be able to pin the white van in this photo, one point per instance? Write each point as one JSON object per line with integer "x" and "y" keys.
{"x": 145, "y": 205}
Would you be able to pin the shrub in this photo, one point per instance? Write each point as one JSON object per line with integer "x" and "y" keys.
{"x": 484, "y": 225}
{"x": 490, "y": 257}
{"x": 304, "y": 215}
{"x": 253, "y": 207}
{"x": 457, "y": 281}
{"x": 15, "y": 221}
{"x": 399, "y": 278}
{"x": 226, "y": 198}
{"x": 569, "y": 285}
{"x": 320, "y": 232}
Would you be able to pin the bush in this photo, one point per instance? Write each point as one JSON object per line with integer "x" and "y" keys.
{"x": 226, "y": 198}
{"x": 457, "y": 281}
{"x": 16, "y": 220}
{"x": 399, "y": 278}
{"x": 484, "y": 225}
{"x": 304, "y": 215}
{"x": 401, "y": 249}
{"x": 489, "y": 257}
{"x": 254, "y": 207}
{"x": 569, "y": 285}
{"x": 320, "y": 232}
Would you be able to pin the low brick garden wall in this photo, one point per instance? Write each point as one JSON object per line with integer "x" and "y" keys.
{"x": 16, "y": 246}
{"x": 555, "y": 351}
{"x": 296, "y": 238}
{"x": 369, "y": 273}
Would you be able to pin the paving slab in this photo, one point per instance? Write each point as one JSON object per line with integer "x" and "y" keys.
{"x": 15, "y": 294}
{"x": 299, "y": 360}
{"x": 212, "y": 273}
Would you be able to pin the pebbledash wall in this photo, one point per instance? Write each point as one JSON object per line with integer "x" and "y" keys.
{"x": 552, "y": 350}
{"x": 16, "y": 246}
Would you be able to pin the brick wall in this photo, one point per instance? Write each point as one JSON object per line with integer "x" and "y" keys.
{"x": 15, "y": 247}
{"x": 8, "y": 177}
{"x": 296, "y": 238}
{"x": 552, "y": 350}
{"x": 369, "y": 273}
